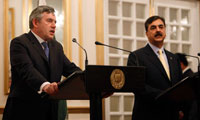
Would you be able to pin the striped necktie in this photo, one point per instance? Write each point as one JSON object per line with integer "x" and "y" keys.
{"x": 162, "y": 60}
{"x": 46, "y": 49}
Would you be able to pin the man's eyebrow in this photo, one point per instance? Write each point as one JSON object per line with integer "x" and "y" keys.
{"x": 50, "y": 19}
{"x": 156, "y": 25}
{"x": 152, "y": 26}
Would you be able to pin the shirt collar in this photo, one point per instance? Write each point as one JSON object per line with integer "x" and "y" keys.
{"x": 38, "y": 38}
{"x": 155, "y": 49}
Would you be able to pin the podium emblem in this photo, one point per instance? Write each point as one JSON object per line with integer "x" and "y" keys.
{"x": 117, "y": 78}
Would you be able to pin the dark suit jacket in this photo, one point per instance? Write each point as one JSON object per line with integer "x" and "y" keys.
{"x": 146, "y": 107}
{"x": 30, "y": 68}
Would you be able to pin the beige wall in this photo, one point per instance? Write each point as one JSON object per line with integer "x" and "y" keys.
{"x": 17, "y": 5}
{"x": 2, "y": 96}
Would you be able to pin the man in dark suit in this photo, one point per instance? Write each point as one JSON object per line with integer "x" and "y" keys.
{"x": 184, "y": 65}
{"x": 37, "y": 64}
{"x": 190, "y": 108}
{"x": 162, "y": 71}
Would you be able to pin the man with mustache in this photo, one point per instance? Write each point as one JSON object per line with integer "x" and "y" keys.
{"x": 162, "y": 71}
{"x": 37, "y": 64}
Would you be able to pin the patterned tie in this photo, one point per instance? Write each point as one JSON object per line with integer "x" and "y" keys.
{"x": 162, "y": 60}
{"x": 46, "y": 49}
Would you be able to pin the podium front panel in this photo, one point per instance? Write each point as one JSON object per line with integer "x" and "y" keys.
{"x": 184, "y": 90}
{"x": 99, "y": 78}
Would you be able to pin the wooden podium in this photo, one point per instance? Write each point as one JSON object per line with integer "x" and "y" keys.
{"x": 184, "y": 90}
{"x": 96, "y": 79}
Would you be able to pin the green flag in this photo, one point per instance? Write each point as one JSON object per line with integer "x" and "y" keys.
{"x": 62, "y": 110}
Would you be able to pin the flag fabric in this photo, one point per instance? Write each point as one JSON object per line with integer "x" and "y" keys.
{"x": 62, "y": 110}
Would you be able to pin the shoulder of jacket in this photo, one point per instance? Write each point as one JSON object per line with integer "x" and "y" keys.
{"x": 139, "y": 50}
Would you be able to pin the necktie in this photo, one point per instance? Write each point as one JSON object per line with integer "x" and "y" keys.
{"x": 46, "y": 49}
{"x": 162, "y": 60}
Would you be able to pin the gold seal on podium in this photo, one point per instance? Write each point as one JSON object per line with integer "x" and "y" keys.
{"x": 117, "y": 78}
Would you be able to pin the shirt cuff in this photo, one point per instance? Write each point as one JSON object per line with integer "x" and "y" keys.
{"x": 42, "y": 86}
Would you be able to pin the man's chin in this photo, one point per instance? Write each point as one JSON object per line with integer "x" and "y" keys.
{"x": 159, "y": 39}
{"x": 50, "y": 38}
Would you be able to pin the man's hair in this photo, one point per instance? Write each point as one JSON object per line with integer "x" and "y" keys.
{"x": 151, "y": 19}
{"x": 37, "y": 13}
{"x": 182, "y": 58}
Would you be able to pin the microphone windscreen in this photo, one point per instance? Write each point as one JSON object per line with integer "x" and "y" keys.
{"x": 74, "y": 40}
{"x": 98, "y": 43}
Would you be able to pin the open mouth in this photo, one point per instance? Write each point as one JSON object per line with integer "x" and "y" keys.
{"x": 52, "y": 31}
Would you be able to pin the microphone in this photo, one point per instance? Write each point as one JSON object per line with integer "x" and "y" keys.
{"x": 137, "y": 62}
{"x": 86, "y": 58}
{"x": 98, "y": 43}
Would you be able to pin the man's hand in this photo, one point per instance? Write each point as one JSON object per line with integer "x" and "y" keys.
{"x": 51, "y": 88}
{"x": 181, "y": 115}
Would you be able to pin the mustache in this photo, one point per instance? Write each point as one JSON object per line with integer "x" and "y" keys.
{"x": 158, "y": 34}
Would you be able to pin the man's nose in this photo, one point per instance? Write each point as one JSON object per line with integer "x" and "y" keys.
{"x": 157, "y": 28}
{"x": 53, "y": 24}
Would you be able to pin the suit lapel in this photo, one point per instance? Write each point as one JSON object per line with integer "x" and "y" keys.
{"x": 51, "y": 53}
{"x": 52, "y": 57}
{"x": 170, "y": 62}
{"x": 37, "y": 46}
{"x": 155, "y": 60}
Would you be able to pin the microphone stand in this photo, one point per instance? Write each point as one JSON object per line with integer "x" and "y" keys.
{"x": 95, "y": 98}
{"x": 86, "y": 58}
{"x": 136, "y": 58}
{"x": 198, "y": 65}
{"x": 98, "y": 43}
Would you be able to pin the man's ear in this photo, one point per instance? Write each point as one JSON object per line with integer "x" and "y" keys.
{"x": 35, "y": 23}
{"x": 146, "y": 33}
{"x": 182, "y": 66}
